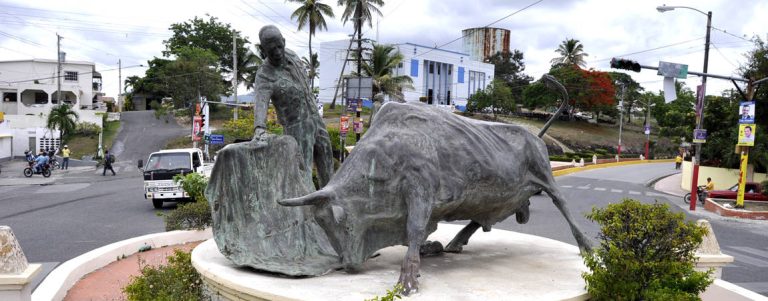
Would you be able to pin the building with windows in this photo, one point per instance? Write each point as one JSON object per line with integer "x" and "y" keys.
{"x": 29, "y": 92}
{"x": 444, "y": 77}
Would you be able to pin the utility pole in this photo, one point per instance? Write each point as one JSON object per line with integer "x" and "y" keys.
{"x": 359, "y": 25}
{"x": 647, "y": 127}
{"x": 621, "y": 118}
{"x": 58, "y": 76}
{"x": 234, "y": 69}
{"x": 700, "y": 121}
{"x": 119, "y": 79}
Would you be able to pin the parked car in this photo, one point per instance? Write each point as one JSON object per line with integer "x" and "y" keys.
{"x": 753, "y": 191}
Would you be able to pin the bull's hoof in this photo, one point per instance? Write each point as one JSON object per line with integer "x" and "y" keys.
{"x": 454, "y": 247}
{"x": 523, "y": 214}
{"x": 408, "y": 284}
{"x": 431, "y": 248}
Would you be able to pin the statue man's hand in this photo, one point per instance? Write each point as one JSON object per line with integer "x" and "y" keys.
{"x": 260, "y": 134}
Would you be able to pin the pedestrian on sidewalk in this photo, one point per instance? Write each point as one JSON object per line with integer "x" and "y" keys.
{"x": 108, "y": 160}
{"x": 678, "y": 161}
{"x": 65, "y": 156}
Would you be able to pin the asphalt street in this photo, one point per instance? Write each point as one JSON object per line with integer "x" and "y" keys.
{"x": 81, "y": 210}
{"x": 746, "y": 240}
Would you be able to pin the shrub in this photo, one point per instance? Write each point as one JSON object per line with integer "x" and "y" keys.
{"x": 178, "y": 280}
{"x": 88, "y": 129}
{"x": 646, "y": 253}
{"x": 391, "y": 295}
{"x": 195, "y": 215}
{"x": 189, "y": 216}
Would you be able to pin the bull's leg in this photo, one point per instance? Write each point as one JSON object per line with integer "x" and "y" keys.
{"x": 462, "y": 238}
{"x": 419, "y": 210}
{"x": 584, "y": 243}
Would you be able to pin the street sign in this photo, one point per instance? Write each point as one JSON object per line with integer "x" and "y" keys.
{"x": 344, "y": 125}
{"x": 363, "y": 86}
{"x": 699, "y": 136}
{"x": 196, "y": 127}
{"x": 647, "y": 130}
{"x": 667, "y": 69}
{"x": 216, "y": 139}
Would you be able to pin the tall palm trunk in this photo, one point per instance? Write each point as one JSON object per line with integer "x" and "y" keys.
{"x": 311, "y": 68}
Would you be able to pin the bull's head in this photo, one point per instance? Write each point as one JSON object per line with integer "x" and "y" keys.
{"x": 332, "y": 218}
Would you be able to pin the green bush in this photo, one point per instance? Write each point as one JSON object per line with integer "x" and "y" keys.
{"x": 601, "y": 152}
{"x": 87, "y": 129}
{"x": 190, "y": 216}
{"x": 391, "y": 295}
{"x": 646, "y": 253}
{"x": 178, "y": 280}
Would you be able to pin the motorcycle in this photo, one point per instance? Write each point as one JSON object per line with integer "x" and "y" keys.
{"x": 701, "y": 194}
{"x": 45, "y": 170}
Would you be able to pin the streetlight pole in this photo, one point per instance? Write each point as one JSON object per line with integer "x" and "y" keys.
{"x": 700, "y": 120}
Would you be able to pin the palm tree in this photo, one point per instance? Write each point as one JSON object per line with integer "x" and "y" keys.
{"x": 312, "y": 66}
{"x": 367, "y": 6}
{"x": 312, "y": 13}
{"x": 379, "y": 65}
{"x": 247, "y": 67}
{"x": 133, "y": 81}
{"x": 62, "y": 118}
{"x": 571, "y": 52}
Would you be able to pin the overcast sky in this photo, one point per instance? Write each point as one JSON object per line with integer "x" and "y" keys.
{"x": 105, "y": 31}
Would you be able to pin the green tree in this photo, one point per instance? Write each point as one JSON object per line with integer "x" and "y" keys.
{"x": 631, "y": 91}
{"x": 571, "y": 52}
{"x": 379, "y": 64}
{"x": 210, "y": 35}
{"x": 367, "y": 7}
{"x": 756, "y": 67}
{"x": 64, "y": 119}
{"x": 720, "y": 120}
{"x": 679, "y": 118}
{"x": 312, "y": 68}
{"x": 509, "y": 67}
{"x": 247, "y": 66}
{"x": 497, "y": 97}
{"x": 194, "y": 72}
{"x": 312, "y": 14}
{"x": 646, "y": 252}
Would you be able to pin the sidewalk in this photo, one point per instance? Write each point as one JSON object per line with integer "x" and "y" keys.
{"x": 671, "y": 185}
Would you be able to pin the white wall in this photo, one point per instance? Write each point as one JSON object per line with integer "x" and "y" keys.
{"x": 6, "y": 143}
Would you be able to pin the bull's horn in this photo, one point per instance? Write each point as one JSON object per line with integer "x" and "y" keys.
{"x": 314, "y": 198}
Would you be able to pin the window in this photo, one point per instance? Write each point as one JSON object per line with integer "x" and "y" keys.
{"x": 400, "y": 65}
{"x": 41, "y": 98}
{"x": 431, "y": 68}
{"x": 70, "y": 75}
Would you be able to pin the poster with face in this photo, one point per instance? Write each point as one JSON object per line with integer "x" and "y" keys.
{"x": 746, "y": 112}
{"x": 747, "y": 134}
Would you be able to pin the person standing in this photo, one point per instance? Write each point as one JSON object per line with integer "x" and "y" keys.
{"x": 65, "y": 158}
{"x": 108, "y": 160}
{"x": 678, "y": 161}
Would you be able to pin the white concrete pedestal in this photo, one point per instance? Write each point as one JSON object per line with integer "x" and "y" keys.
{"x": 498, "y": 265}
{"x": 16, "y": 287}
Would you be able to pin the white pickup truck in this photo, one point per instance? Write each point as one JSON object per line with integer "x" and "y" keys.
{"x": 163, "y": 165}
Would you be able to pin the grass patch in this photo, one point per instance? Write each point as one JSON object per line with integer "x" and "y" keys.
{"x": 179, "y": 142}
{"x": 89, "y": 145}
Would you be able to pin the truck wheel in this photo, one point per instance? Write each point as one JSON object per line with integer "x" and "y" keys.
{"x": 27, "y": 172}
{"x": 158, "y": 204}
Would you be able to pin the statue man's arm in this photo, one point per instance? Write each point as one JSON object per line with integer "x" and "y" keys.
{"x": 260, "y": 106}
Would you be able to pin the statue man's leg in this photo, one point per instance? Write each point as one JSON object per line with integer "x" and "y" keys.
{"x": 323, "y": 155}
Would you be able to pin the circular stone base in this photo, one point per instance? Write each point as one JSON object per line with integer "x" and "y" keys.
{"x": 498, "y": 265}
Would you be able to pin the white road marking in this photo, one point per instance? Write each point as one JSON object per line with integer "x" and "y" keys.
{"x": 566, "y": 186}
{"x": 599, "y": 188}
{"x": 617, "y": 190}
{"x": 634, "y": 192}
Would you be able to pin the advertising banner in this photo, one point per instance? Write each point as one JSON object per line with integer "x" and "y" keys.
{"x": 747, "y": 134}
{"x": 747, "y": 112}
{"x": 344, "y": 125}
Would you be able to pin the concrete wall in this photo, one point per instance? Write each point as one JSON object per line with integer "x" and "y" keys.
{"x": 6, "y": 147}
{"x": 724, "y": 178}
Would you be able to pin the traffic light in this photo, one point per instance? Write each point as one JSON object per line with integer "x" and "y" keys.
{"x": 202, "y": 122}
{"x": 625, "y": 64}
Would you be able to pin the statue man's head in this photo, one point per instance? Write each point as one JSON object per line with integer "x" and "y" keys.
{"x": 272, "y": 44}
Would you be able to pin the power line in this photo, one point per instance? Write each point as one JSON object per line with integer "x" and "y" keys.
{"x": 649, "y": 50}
{"x": 489, "y": 25}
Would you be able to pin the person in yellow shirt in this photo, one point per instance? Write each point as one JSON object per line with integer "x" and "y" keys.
{"x": 65, "y": 156}
{"x": 710, "y": 185}
{"x": 678, "y": 161}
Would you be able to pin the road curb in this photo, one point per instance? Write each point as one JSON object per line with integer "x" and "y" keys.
{"x": 66, "y": 275}
{"x": 571, "y": 170}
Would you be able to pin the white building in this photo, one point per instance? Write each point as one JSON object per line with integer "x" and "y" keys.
{"x": 28, "y": 89}
{"x": 444, "y": 77}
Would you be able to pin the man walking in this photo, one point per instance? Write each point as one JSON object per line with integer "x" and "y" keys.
{"x": 108, "y": 160}
{"x": 65, "y": 158}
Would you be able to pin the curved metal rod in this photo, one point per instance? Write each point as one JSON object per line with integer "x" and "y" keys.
{"x": 552, "y": 83}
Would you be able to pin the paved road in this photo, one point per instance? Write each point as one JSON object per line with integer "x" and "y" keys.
{"x": 80, "y": 210}
{"x": 747, "y": 241}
